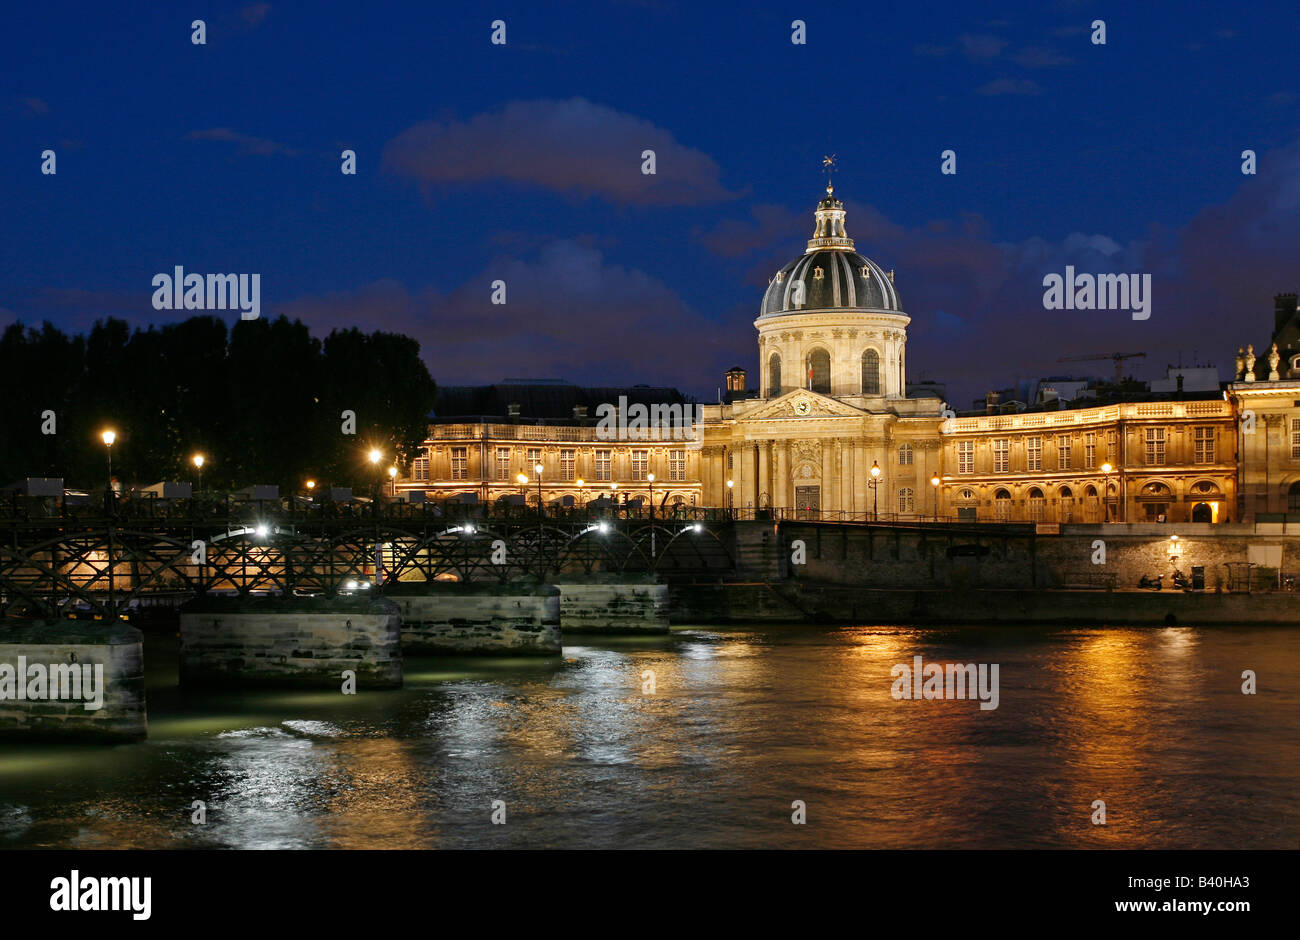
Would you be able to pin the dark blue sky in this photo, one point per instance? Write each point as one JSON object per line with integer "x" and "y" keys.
{"x": 522, "y": 162}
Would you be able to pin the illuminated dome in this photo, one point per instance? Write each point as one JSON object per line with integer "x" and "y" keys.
{"x": 834, "y": 276}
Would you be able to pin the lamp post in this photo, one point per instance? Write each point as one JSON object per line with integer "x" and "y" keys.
{"x": 1106, "y": 468}
{"x": 581, "y": 483}
{"x": 875, "y": 489}
{"x": 934, "y": 482}
{"x": 731, "y": 492}
{"x": 537, "y": 468}
{"x": 108, "y": 437}
{"x": 392, "y": 482}
{"x": 650, "y": 487}
{"x": 198, "y": 465}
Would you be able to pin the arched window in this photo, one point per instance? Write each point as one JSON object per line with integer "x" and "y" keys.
{"x": 1066, "y": 493}
{"x": 819, "y": 371}
{"x": 774, "y": 375}
{"x": 871, "y": 372}
{"x": 1293, "y": 497}
{"x": 906, "y": 500}
{"x": 905, "y": 455}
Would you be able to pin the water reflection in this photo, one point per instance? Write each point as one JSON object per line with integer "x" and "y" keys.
{"x": 741, "y": 724}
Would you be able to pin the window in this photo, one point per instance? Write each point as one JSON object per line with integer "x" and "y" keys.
{"x": 503, "y": 463}
{"x": 1090, "y": 449}
{"x": 905, "y": 455}
{"x": 459, "y": 463}
{"x": 774, "y": 375}
{"x": 1155, "y": 441}
{"x": 602, "y": 465}
{"x": 906, "y": 500}
{"x": 871, "y": 372}
{"x": 1204, "y": 439}
{"x": 677, "y": 465}
{"x": 1112, "y": 446}
{"x": 819, "y": 371}
{"x": 1295, "y": 438}
{"x": 640, "y": 464}
{"x": 965, "y": 456}
{"x": 1063, "y": 453}
{"x": 420, "y": 467}
{"x": 534, "y": 458}
{"x": 1034, "y": 453}
{"x": 1293, "y": 496}
{"x": 566, "y": 466}
{"x": 1001, "y": 455}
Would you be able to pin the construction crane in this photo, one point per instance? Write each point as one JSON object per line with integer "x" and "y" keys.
{"x": 1118, "y": 357}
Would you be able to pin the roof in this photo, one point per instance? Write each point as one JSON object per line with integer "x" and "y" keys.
{"x": 544, "y": 401}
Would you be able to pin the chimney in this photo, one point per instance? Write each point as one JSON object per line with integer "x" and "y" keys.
{"x": 1284, "y": 308}
{"x": 1180, "y": 383}
{"x": 579, "y": 412}
{"x": 991, "y": 403}
{"x": 512, "y": 410}
{"x": 736, "y": 379}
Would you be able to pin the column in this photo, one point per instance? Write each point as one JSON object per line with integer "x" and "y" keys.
{"x": 781, "y": 495}
{"x": 764, "y": 482}
{"x": 829, "y": 497}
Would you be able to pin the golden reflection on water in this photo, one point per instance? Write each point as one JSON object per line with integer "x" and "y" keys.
{"x": 741, "y": 724}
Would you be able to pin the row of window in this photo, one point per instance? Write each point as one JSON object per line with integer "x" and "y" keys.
{"x": 506, "y": 471}
{"x": 1154, "y": 451}
{"x": 818, "y": 372}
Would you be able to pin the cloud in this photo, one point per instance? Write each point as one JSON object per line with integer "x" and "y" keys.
{"x": 1010, "y": 86}
{"x": 257, "y": 146}
{"x": 569, "y": 313}
{"x": 36, "y": 106}
{"x": 254, "y": 13}
{"x": 1040, "y": 57}
{"x": 981, "y": 47}
{"x": 573, "y": 146}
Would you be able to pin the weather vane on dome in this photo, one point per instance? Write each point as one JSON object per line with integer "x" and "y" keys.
{"x": 829, "y": 163}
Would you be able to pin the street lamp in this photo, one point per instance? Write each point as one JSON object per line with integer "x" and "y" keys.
{"x": 934, "y": 482}
{"x": 731, "y": 491}
{"x": 392, "y": 481}
{"x": 650, "y": 483}
{"x": 875, "y": 487}
{"x": 538, "y": 468}
{"x": 1106, "y": 468}
{"x": 198, "y": 464}
{"x": 108, "y": 437}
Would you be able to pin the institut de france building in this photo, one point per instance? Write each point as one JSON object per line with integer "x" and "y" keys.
{"x": 831, "y": 431}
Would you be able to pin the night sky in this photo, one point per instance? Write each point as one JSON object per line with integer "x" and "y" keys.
{"x": 523, "y": 163}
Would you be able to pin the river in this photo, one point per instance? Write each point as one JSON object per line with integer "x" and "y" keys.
{"x": 742, "y": 723}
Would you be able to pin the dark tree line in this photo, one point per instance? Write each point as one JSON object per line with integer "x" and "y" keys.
{"x": 262, "y": 400}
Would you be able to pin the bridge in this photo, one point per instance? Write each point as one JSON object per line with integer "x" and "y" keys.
{"x": 58, "y": 560}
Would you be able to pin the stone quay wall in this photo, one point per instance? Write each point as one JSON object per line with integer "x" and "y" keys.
{"x": 1016, "y": 557}
{"x": 613, "y": 604}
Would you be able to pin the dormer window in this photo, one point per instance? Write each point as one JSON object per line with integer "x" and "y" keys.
{"x": 866, "y": 272}
{"x": 817, "y": 274}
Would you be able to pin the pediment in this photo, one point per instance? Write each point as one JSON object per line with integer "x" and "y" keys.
{"x": 802, "y": 403}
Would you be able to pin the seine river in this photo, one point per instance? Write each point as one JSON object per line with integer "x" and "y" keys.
{"x": 743, "y": 722}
